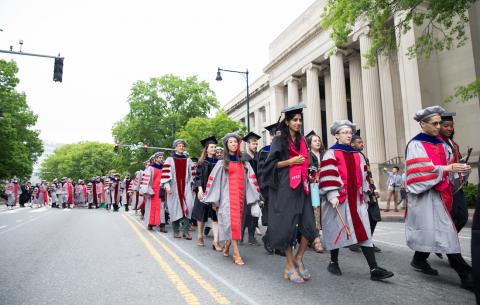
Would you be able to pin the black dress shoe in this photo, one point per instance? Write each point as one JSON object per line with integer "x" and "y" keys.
{"x": 354, "y": 248}
{"x": 379, "y": 273}
{"x": 376, "y": 249}
{"x": 206, "y": 231}
{"x": 334, "y": 268}
{"x": 424, "y": 267}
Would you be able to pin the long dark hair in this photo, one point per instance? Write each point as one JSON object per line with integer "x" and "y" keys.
{"x": 285, "y": 133}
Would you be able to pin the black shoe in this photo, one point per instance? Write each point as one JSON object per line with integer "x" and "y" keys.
{"x": 376, "y": 249}
{"x": 467, "y": 281}
{"x": 354, "y": 248}
{"x": 266, "y": 245}
{"x": 206, "y": 231}
{"x": 424, "y": 267}
{"x": 378, "y": 273}
{"x": 253, "y": 242}
{"x": 334, "y": 268}
{"x": 279, "y": 252}
{"x": 150, "y": 227}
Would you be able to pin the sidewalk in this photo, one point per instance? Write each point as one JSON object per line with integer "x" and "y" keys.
{"x": 399, "y": 216}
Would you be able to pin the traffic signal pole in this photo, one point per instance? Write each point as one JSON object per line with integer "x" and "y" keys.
{"x": 58, "y": 68}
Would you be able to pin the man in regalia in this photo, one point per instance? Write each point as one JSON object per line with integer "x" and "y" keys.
{"x": 430, "y": 172}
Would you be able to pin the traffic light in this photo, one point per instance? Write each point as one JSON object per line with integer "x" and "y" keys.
{"x": 116, "y": 147}
{"x": 145, "y": 148}
{"x": 58, "y": 69}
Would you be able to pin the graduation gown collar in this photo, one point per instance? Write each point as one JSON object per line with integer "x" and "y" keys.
{"x": 157, "y": 166}
{"x": 343, "y": 147}
{"x": 211, "y": 160}
{"x": 175, "y": 155}
{"x": 423, "y": 137}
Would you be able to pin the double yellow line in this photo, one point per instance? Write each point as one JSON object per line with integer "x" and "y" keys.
{"x": 182, "y": 288}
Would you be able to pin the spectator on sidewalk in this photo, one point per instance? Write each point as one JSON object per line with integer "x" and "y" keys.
{"x": 393, "y": 186}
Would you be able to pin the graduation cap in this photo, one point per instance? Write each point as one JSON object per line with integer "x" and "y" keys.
{"x": 295, "y": 109}
{"x": 311, "y": 133}
{"x": 251, "y": 136}
{"x": 356, "y": 135}
{"x": 448, "y": 116}
{"x": 208, "y": 141}
{"x": 194, "y": 159}
{"x": 271, "y": 128}
{"x": 424, "y": 114}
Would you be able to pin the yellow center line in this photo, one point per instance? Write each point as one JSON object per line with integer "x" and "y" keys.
{"x": 189, "y": 297}
{"x": 195, "y": 275}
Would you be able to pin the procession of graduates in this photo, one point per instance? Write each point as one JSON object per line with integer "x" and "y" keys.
{"x": 297, "y": 190}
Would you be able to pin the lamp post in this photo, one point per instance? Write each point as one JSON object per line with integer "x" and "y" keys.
{"x": 219, "y": 78}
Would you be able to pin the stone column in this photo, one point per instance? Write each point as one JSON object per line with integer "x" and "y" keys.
{"x": 277, "y": 103}
{"x": 313, "y": 115}
{"x": 339, "y": 95}
{"x": 328, "y": 106}
{"x": 292, "y": 84}
{"x": 374, "y": 136}
{"x": 409, "y": 79}
{"x": 388, "y": 108}
{"x": 356, "y": 91}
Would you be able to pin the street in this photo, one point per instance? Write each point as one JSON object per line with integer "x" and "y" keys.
{"x": 81, "y": 256}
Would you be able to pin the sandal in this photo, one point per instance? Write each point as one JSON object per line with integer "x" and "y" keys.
{"x": 200, "y": 242}
{"x": 216, "y": 246}
{"x": 304, "y": 274}
{"x": 237, "y": 260}
{"x": 226, "y": 248}
{"x": 317, "y": 246}
{"x": 177, "y": 235}
{"x": 293, "y": 276}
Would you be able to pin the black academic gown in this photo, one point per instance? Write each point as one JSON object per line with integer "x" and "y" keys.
{"x": 290, "y": 210}
{"x": 262, "y": 157}
{"x": 201, "y": 211}
{"x": 475, "y": 244}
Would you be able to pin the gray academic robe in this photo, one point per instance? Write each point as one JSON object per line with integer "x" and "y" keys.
{"x": 169, "y": 180}
{"x": 217, "y": 193}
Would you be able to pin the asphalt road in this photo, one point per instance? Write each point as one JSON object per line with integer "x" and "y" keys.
{"x": 80, "y": 256}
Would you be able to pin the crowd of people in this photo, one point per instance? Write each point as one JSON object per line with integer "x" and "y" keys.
{"x": 305, "y": 195}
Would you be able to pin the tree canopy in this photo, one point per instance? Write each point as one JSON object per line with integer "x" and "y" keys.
{"x": 79, "y": 161}
{"x": 444, "y": 23}
{"x": 159, "y": 108}
{"x": 198, "y": 129}
{"x": 20, "y": 142}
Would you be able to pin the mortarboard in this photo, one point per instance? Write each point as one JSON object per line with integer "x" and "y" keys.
{"x": 293, "y": 109}
{"x": 208, "y": 141}
{"x": 448, "y": 116}
{"x": 423, "y": 114}
{"x": 251, "y": 135}
{"x": 337, "y": 125}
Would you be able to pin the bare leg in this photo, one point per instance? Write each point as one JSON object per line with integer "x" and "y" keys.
{"x": 389, "y": 195}
{"x": 395, "y": 200}
{"x": 200, "y": 229}
{"x": 237, "y": 259}
{"x": 215, "y": 231}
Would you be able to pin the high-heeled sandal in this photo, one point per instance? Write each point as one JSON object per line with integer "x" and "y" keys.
{"x": 226, "y": 248}
{"x": 216, "y": 246}
{"x": 317, "y": 246}
{"x": 304, "y": 274}
{"x": 200, "y": 242}
{"x": 293, "y": 276}
{"x": 237, "y": 260}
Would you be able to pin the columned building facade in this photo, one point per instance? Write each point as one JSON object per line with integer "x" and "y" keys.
{"x": 335, "y": 84}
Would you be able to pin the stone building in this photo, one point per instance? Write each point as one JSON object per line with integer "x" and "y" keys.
{"x": 381, "y": 100}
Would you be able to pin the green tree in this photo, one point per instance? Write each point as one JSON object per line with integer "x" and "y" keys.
{"x": 444, "y": 21}
{"x": 198, "y": 129}
{"x": 20, "y": 142}
{"x": 158, "y": 108}
{"x": 79, "y": 161}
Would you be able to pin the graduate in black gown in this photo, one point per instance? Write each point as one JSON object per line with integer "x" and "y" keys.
{"x": 290, "y": 210}
{"x": 201, "y": 211}
{"x": 251, "y": 156}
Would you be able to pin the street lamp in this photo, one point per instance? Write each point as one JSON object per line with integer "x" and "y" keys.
{"x": 219, "y": 78}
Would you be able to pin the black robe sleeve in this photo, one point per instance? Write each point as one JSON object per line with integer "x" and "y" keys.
{"x": 269, "y": 168}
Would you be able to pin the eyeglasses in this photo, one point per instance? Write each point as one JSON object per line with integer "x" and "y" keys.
{"x": 436, "y": 123}
{"x": 345, "y": 132}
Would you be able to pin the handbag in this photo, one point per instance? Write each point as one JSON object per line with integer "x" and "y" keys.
{"x": 315, "y": 195}
{"x": 255, "y": 210}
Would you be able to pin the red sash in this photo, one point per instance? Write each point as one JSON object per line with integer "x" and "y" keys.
{"x": 180, "y": 173}
{"x": 298, "y": 172}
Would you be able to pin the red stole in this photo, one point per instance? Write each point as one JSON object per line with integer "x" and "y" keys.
{"x": 70, "y": 192}
{"x": 115, "y": 191}
{"x": 436, "y": 153}
{"x": 94, "y": 191}
{"x": 127, "y": 194}
{"x": 298, "y": 172}
{"x": 15, "y": 191}
{"x": 351, "y": 174}
{"x": 236, "y": 189}
{"x": 180, "y": 173}
{"x": 84, "y": 189}
{"x": 155, "y": 203}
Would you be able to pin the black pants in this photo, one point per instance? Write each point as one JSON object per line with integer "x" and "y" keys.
{"x": 367, "y": 252}
{"x": 455, "y": 260}
{"x": 251, "y": 224}
{"x": 126, "y": 207}
{"x": 115, "y": 207}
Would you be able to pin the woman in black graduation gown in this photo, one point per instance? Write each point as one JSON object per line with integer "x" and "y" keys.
{"x": 201, "y": 211}
{"x": 290, "y": 210}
